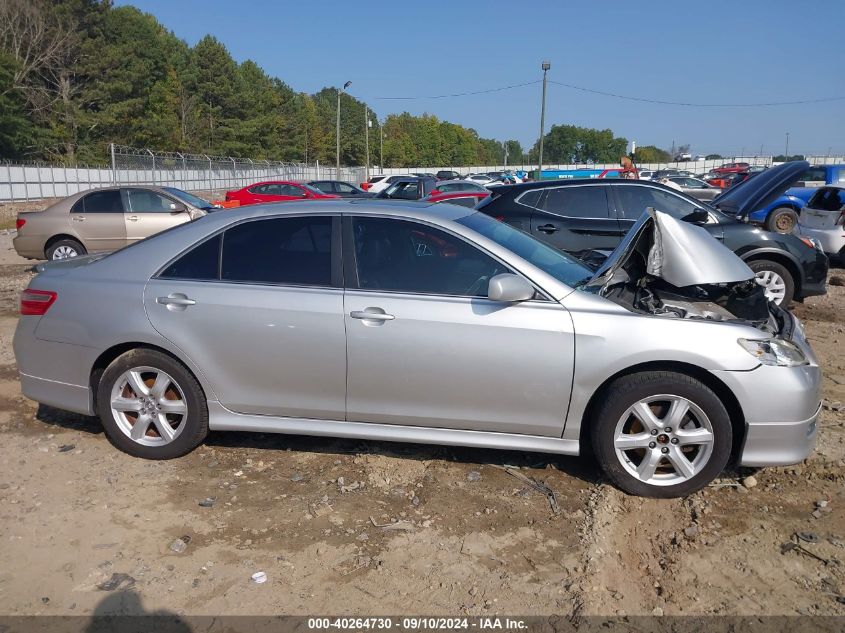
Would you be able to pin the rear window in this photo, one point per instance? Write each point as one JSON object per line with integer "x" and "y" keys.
{"x": 814, "y": 174}
{"x": 828, "y": 199}
{"x": 376, "y": 179}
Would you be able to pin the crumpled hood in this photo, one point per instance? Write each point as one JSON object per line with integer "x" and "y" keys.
{"x": 685, "y": 254}
{"x": 681, "y": 253}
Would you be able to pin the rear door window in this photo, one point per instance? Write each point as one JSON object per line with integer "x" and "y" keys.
{"x": 577, "y": 202}
{"x": 292, "y": 251}
{"x": 108, "y": 201}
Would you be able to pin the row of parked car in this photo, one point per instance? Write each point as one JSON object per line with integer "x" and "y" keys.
{"x": 617, "y": 314}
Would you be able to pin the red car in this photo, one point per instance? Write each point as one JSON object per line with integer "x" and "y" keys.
{"x": 464, "y": 198}
{"x": 726, "y": 181}
{"x": 276, "y": 191}
{"x": 731, "y": 168}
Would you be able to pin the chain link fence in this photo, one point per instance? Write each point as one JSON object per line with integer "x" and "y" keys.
{"x": 212, "y": 175}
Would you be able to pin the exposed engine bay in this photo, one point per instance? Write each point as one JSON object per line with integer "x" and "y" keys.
{"x": 641, "y": 278}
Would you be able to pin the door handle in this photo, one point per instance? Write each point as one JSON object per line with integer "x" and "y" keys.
{"x": 371, "y": 316}
{"x": 133, "y": 218}
{"x": 176, "y": 301}
{"x": 548, "y": 228}
{"x": 79, "y": 218}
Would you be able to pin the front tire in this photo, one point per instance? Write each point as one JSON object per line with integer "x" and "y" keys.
{"x": 782, "y": 220}
{"x": 661, "y": 434}
{"x": 151, "y": 406}
{"x": 776, "y": 280}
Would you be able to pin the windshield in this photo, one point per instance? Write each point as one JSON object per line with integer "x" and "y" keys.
{"x": 191, "y": 199}
{"x": 565, "y": 268}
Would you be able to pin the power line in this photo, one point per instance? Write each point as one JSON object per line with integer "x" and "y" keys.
{"x": 461, "y": 94}
{"x": 697, "y": 105}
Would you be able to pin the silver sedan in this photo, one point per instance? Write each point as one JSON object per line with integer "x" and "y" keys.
{"x": 426, "y": 323}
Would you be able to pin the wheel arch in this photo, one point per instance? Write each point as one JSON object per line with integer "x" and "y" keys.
{"x": 724, "y": 393}
{"x": 109, "y": 355}
{"x": 785, "y": 260}
{"x": 62, "y": 236}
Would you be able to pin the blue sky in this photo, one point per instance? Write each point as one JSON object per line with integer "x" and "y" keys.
{"x": 749, "y": 51}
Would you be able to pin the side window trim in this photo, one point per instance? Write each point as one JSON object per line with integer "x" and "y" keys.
{"x": 350, "y": 262}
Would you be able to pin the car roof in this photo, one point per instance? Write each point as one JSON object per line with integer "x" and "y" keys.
{"x": 273, "y": 182}
{"x": 370, "y": 206}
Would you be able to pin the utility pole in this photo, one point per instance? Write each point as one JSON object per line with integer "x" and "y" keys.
{"x": 786, "y": 151}
{"x": 381, "y": 147}
{"x": 367, "y": 140}
{"x": 545, "y": 66}
{"x": 505, "y": 147}
{"x": 339, "y": 91}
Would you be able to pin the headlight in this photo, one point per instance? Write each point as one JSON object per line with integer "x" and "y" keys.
{"x": 774, "y": 351}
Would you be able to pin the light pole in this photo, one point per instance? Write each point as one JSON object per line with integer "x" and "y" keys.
{"x": 381, "y": 147}
{"x": 505, "y": 148}
{"x": 339, "y": 92}
{"x": 786, "y": 151}
{"x": 545, "y": 66}
{"x": 367, "y": 124}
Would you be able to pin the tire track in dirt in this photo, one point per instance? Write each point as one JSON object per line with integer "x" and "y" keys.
{"x": 626, "y": 544}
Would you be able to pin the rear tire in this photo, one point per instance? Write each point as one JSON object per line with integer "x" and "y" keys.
{"x": 151, "y": 406}
{"x": 776, "y": 279}
{"x": 683, "y": 443}
{"x": 782, "y": 220}
{"x": 65, "y": 249}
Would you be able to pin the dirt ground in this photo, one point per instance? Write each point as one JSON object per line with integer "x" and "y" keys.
{"x": 86, "y": 528}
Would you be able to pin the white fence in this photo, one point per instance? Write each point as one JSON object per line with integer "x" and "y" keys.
{"x": 696, "y": 167}
{"x": 20, "y": 182}
{"x": 34, "y": 182}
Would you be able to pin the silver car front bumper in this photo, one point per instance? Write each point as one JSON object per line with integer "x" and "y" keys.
{"x": 780, "y": 406}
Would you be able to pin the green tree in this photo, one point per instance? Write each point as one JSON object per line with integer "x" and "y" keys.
{"x": 17, "y": 133}
{"x": 651, "y": 154}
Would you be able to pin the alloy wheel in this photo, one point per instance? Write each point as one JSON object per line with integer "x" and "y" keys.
{"x": 773, "y": 284}
{"x": 64, "y": 252}
{"x": 664, "y": 440}
{"x": 148, "y": 406}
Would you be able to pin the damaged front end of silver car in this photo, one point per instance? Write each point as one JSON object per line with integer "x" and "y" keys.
{"x": 670, "y": 268}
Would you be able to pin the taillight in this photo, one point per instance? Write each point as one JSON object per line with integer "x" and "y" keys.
{"x": 36, "y": 302}
{"x": 19, "y": 223}
{"x": 435, "y": 192}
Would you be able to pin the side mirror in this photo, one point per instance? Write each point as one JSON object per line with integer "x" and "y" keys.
{"x": 178, "y": 207}
{"x": 509, "y": 288}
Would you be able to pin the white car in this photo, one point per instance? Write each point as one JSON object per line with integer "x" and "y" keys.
{"x": 377, "y": 183}
{"x": 481, "y": 179}
{"x": 823, "y": 219}
{"x": 646, "y": 174}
